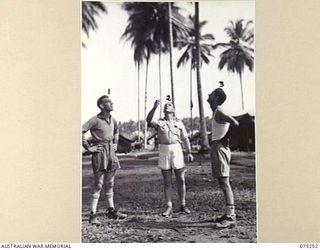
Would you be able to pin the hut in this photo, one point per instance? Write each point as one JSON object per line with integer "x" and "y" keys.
{"x": 242, "y": 137}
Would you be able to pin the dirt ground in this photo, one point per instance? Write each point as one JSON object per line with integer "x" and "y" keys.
{"x": 139, "y": 193}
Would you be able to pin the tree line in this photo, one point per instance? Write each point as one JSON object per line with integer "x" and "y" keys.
{"x": 156, "y": 28}
{"x": 130, "y": 128}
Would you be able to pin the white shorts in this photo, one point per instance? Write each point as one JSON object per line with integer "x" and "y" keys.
{"x": 170, "y": 157}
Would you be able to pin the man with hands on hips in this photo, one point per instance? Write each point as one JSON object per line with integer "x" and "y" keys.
{"x": 105, "y": 135}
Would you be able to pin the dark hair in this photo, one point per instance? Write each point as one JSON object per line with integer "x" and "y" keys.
{"x": 100, "y": 100}
{"x": 221, "y": 95}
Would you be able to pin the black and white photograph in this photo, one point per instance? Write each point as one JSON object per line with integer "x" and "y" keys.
{"x": 168, "y": 122}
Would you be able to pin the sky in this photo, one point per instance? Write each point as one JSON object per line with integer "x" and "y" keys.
{"x": 107, "y": 63}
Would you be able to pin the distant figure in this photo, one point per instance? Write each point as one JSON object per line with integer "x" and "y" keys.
{"x": 105, "y": 136}
{"x": 221, "y": 154}
{"x": 171, "y": 133}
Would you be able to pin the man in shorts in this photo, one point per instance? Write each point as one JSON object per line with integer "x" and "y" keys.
{"x": 221, "y": 155}
{"x": 105, "y": 135}
{"x": 171, "y": 133}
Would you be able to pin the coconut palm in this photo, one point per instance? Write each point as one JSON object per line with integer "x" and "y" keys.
{"x": 189, "y": 45}
{"x": 203, "y": 128}
{"x": 188, "y": 42}
{"x": 238, "y": 53}
{"x": 137, "y": 32}
{"x": 90, "y": 10}
{"x": 155, "y": 19}
{"x": 149, "y": 47}
{"x": 147, "y": 30}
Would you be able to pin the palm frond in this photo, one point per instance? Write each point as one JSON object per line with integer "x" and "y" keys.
{"x": 236, "y": 58}
{"x": 90, "y": 10}
{"x": 247, "y": 24}
{"x": 207, "y": 37}
{"x": 205, "y": 58}
{"x": 184, "y": 58}
{"x": 248, "y": 48}
{"x": 188, "y": 42}
{"x": 148, "y": 29}
{"x": 218, "y": 45}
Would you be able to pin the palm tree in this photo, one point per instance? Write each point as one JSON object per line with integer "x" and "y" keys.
{"x": 190, "y": 52}
{"x": 170, "y": 50}
{"x": 89, "y": 12}
{"x": 149, "y": 46}
{"x": 137, "y": 32}
{"x": 148, "y": 32}
{"x": 238, "y": 54}
{"x": 203, "y": 128}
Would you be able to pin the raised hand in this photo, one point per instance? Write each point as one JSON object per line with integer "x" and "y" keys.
{"x": 156, "y": 104}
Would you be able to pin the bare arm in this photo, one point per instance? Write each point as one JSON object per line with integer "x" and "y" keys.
{"x": 151, "y": 114}
{"x": 86, "y": 127}
{"x": 115, "y": 132}
{"x": 185, "y": 139}
{"x": 186, "y": 142}
{"x": 85, "y": 143}
{"x": 115, "y": 135}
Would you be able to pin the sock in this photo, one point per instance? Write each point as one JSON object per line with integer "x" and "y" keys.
{"x": 93, "y": 205}
{"x": 183, "y": 203}
{"x": 109, "y": 199}
{"x": 230, "y": 211}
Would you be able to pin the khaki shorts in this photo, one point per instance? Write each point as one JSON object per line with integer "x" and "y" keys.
{"x": 106, "y": 160}
{"x": 170, "y": 157}
{"x": 220, "y": 160}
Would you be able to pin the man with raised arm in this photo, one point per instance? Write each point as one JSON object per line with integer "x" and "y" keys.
{"x": 171, "y": 134}
{"x": 221, "y": 155}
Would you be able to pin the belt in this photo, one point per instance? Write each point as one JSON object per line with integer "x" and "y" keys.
{"x": 178, "y": 143}
{"x": 217, "y": 141}
{"x": 107, "y": 142}
{"x": 224, "y": 141}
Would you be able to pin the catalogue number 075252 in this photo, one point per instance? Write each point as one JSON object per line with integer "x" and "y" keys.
{"x": 309, "y": 245}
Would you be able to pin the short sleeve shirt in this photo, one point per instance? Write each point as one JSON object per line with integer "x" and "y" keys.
{"x": 102, "y": 129}
{"x": 170, "y": 132}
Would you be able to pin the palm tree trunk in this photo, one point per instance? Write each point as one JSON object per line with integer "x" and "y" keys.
{"x": 160, "y": 84}
{"x": 191, "y": 103}
{"x": 170, "y": 51}
{"x": 145, "y": 105}
{"x": 203, "y": 129}
{"x": 139, "y": 125}
{"x": 242, "y": 99}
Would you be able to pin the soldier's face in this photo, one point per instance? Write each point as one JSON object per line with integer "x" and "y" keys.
{"x": 107, "y": 104}
{"x": 212, "y": 99}
{"x": 168, "y": 108}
